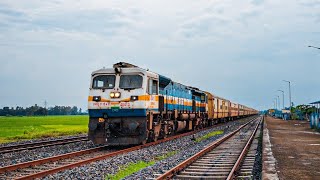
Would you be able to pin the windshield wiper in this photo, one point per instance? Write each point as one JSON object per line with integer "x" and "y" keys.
{"x": 128, "y": 89}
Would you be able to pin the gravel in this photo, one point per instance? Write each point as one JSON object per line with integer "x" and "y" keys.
{"x": 7, "y": 159}
{"x": 257, "y": 168}
{"x": 39, "y": 140}
{"x": 185, "y": 148}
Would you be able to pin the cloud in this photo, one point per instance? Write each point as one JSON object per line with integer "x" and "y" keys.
{"x": 106, "y": 22}
{"x": 6, "y": 11}
{"x": 257, "y": 2}
{"x": 204, "y": 26}
{"x": 310, "y": 3}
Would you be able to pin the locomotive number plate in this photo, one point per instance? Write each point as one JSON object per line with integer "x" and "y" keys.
{"x": 125, "y": 105}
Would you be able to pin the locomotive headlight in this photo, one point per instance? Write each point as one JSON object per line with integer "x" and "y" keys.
{"x": 97, "y": 98}
{"x": 134, "y": 98}
{"x": 112, "y": 94}
{"x": 117, "y": 94}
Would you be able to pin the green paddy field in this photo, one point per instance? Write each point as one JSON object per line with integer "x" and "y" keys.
{"x": 24, "y": 128}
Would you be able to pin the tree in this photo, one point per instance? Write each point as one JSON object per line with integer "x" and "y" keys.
{"x": 74, "y": 110}
{"x": 40, "y": 111}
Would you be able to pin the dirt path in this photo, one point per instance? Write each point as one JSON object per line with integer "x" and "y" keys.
{"x": 296, "y": 148}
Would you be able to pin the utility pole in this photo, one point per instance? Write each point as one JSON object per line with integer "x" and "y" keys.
{"x": 45, "y": 106}
{"x": 282, "y": 98}
{"x": 289, "y": 93}
{"x": 276, "y": 103}
{"x": 279, "y": 102}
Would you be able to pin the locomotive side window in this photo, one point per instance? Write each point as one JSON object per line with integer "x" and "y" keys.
{"x": 130, "y": 82}
{"x": 153, "y": 87}
{"x": 104, "y": 82}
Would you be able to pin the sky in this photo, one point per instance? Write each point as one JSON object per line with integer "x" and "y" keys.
{"x": 240, "y": 50}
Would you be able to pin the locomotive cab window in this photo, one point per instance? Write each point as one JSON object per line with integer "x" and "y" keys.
{"x": 128, "y": 82}
{"x": 104, "y": 82}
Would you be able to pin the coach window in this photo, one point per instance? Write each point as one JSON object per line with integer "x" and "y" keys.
{"x": 203, "y": 98}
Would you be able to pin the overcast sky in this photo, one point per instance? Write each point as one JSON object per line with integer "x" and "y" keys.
{"x": 240, "y": 50}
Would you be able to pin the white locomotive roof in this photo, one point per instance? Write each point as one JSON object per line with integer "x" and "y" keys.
{"x": 126, "y": 67}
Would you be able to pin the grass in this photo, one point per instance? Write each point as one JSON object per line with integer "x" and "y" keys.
{"x": 132, "y": 168}
{"x": 165, "y": 156}
{"x": 25, "y": 128}
{"x": 209, "y": 135}
{"x": 129, "y": 169}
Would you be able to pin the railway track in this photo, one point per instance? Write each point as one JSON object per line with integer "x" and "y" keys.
{"x": 40, "y": 144}
{"x": 231, "y": 157}
{"x": 43, "y": 167}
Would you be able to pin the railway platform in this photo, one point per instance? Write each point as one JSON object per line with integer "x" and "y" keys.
{"x": 291, "y": 150}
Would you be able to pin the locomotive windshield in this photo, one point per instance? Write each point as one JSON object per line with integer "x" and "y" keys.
{"x": 130, "y": 82}
{"x": 104, "y": 82}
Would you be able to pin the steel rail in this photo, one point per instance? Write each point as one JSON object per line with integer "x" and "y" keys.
{"x": 87, "y": 161}
{"x": 49, "y": 159}
{"x": 243, "y": 154}
{"x": 40, "y": 144}
{"x": 172, "y": 172}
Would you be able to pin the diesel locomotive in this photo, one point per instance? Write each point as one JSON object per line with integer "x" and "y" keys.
{"x": 129, "y": 105}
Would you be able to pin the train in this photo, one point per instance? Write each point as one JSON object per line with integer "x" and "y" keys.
{"x": 129, "y": 105}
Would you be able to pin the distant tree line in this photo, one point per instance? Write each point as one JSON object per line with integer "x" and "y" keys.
{"x": 41, "y": 111}
{"x": 305, "y": 109}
